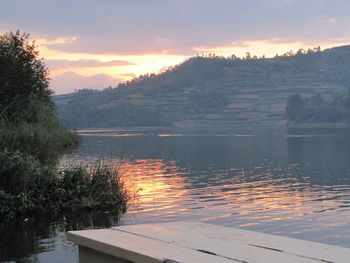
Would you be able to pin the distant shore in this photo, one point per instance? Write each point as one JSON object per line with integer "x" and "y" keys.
{"x": 318, "y": 125}
{"x": 213, "y": 128}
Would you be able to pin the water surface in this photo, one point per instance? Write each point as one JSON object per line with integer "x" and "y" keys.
{"x": 293, "y": 183}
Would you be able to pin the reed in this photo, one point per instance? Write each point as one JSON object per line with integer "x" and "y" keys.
{"x": 26, "y": 185}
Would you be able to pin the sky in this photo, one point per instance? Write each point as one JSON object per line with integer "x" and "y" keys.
{"x": 99, "y": 43}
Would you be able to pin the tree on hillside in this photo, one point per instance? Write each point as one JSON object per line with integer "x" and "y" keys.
{"x": 317, "y": 99}
{"x": 23, "y": 79}
{"x": 316, "y": 109}
{"x": 295, "y": 106}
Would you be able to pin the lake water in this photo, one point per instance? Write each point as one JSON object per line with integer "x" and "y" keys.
{"x": 293, "y": 183}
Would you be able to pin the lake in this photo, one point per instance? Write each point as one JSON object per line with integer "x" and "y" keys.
{"x": 292, "y": 183}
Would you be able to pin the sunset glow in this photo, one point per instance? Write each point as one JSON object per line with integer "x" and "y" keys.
{"x": 161, "y": 34}
{"x": 145, "y": 130}
{"x": 269, "y": 48}
{"x": 134, "y": 65}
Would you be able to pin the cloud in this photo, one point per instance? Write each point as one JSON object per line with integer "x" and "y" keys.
{"x": 128, "y": 75}
{"x": 268, "y": 47}
{"x": 332, "y": 20}
{"x": 83, "y": 63}
{"x": 114, "y": 65}
{"x": 69, "y": 82}
{"x": 158, "y": 26}
{"x": 136, "y": 44}
{"x": 90, "y": 37}
{"x": 59, "y": 40}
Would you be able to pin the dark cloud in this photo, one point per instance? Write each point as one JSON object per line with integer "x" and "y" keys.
{"x": 55, "y": 64}
{"x": 118, "y": 26}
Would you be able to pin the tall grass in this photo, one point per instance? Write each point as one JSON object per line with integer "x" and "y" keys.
{"x": 43, "y": 137}
{"x": 39, "y": 140}
{"x": 92, "y": 186}
{"x": 29, "y": 181}
{"x": 26, "y": 185}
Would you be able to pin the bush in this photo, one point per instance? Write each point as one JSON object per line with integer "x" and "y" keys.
{"x": 26, "y": 185}
{"x": 20, "y": 178}
{"x": 19, "y": 172}
{"x": 43, "y": 141}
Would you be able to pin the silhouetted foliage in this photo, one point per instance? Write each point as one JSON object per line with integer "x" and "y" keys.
{"x": 31, "y": 137}
{"x": 318, "y": 110}
{"x": 28, "y": 186}
{"x": 23, "y": 78}
{"x": 295, "y": 107}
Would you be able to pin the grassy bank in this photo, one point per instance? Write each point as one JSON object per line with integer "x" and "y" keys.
{"x": 30, "y": 186}
{"x": 44, "y": 141}
{"x": 29, "y": 181}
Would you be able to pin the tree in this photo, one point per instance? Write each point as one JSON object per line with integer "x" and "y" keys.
{"x": 317, "y": 100}
{"x": 247, "y": 56}
{"x": 23, "y": 78}
{"x": 295, "y": 107}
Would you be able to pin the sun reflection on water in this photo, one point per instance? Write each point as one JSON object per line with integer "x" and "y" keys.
{"x": 158, "y": 184}
{"x": 262, "y": 198}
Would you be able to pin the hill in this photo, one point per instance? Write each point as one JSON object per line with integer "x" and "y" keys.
{"x": 212, "y": 91}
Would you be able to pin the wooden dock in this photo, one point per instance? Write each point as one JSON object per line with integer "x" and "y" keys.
{"x": 194, "y": 242}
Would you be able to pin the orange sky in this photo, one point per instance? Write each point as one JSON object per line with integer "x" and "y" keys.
{"x": 94, "y": 44}
{"x": 133, "y": 65}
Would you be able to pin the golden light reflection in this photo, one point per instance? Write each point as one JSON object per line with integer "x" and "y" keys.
{"x": 167, "y": 192}
{"x": 112, "y": 135}
{"x": 156, "y": 182}
{"x": 267, "y": 201}
{"x": 169, "y": 135}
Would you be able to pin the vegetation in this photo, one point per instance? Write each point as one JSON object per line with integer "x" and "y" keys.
{"x": 31, "y": 139}
{"x": 212, "y": 90}
{"x": 316, "y": 109}
{"x": 29, "y": 186}
{"x": 23, "y": 81}
{"x": 44, "y": 139}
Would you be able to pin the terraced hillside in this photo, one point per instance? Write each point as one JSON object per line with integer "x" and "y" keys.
{"x": 211, "y": 91}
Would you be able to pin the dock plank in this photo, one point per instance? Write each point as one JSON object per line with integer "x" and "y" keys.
{"x": 196, "y": 242}
{"x": 240, "y": 244}
{"x": 139, "y": 249}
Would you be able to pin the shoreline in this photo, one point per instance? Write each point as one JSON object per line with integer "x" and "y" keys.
{"x": 217, "y": 128}
{"x": 339, "y": 125}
